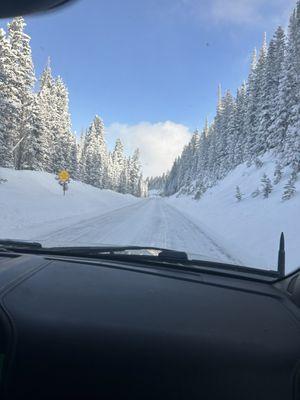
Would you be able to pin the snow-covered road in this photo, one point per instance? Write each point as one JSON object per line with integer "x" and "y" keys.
{"x": 150, "y": 222}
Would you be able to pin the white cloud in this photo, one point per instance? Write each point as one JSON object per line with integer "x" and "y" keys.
{"x": 159, "y": 143}
{"x": 250, "y": 12}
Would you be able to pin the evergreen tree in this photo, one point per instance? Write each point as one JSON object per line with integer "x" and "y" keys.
{"x": 238, "y": 193}
{"x": 266, "y": 186}
{"x": 291, "y": 93}
{"x": 94, "y": 155}
{"x": 277, "y": 173}
{"x": 118, "y": 165}
{"x": 8, "y": 102}
{"x": 23, "y": 70}
{"x": 134, "y": 173}
{"x": 46, "y": 101}
{"x": 258, "y": 163}
{"x": 275, "y": 70}
{"x": 239, "y": 139}
{"x": 251, "y": 110}
{"x": 290, "y": 188}
{"x": 262, "y": 102}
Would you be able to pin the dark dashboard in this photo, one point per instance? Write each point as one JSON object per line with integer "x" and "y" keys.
{"x": 89, "y": 329}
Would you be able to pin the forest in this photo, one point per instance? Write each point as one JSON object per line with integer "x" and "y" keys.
{"x": 263, "y": 116}
{"x": 35, "y": 125}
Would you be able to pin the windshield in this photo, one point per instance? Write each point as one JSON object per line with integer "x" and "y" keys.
{"x": 154, "y": 124}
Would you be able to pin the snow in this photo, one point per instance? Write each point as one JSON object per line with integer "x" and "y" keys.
{"x": 250, "y": 228}
{"x": 32, "y": 203}
{"x": 216, "y": 227}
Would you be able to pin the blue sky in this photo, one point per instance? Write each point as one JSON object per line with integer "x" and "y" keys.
{"x": 151, "y": 61}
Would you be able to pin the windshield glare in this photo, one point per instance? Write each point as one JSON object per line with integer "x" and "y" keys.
{"x": 173, "y": 125}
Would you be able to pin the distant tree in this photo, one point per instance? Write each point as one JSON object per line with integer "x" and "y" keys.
{"x": 290, "y": 188}
{"x": 277, "y": 173}
{"x": 258, "y": 163}
{"x": 238, "y": 193}
{"x": 266, "y": 186}
{"x": 134, "y": 173}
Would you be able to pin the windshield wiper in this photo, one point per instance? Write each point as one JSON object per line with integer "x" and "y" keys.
{"x": 120, "y": 251}
{"x": 148, "y": 254}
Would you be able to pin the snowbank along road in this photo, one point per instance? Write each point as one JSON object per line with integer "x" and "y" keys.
{"x": 150, "y": 222}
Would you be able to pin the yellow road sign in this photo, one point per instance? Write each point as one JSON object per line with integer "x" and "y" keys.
{"x": 64, "y": 175}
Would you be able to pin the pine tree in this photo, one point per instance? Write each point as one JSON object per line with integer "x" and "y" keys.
{"x": 277, "y": 173}
{"x": 61, "y": 128}
{"x": 262, "y": 102}
{"x": 94, "y": 155}
{"x": 238, "y": 145}
{"x": 275, "y": 70}
{"x": 118, "y": 165}
{"x": 134, "y": 173}
{"x": 238, "y": 193}
{"x": 32, "y": 157}
{"x": 47, "y": 106}
{"x": 266, "y": 186}
{"x": 258, "y": 163}
{"x": 8, "y": 102}
{"x": 251, "y": 110}
{"x": 291, "y": 93}
{"x": 289, "y": 188}
{"x": 23, "y": 67}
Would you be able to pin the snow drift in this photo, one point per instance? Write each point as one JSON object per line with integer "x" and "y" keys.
{"x": 250, "y": 228}
{"x": 32, "y": 202}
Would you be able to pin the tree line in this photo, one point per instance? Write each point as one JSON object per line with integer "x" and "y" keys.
{"x": 35, "y": 125}
{"x": 264, "y": 116}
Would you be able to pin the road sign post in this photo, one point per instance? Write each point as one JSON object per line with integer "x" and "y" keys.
{"x": 64, "y": 178}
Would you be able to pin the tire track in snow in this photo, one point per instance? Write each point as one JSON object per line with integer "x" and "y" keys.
{"x": 151, "y": 222}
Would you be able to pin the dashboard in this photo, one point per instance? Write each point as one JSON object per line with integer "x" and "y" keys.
{"x": 73, "y": 328}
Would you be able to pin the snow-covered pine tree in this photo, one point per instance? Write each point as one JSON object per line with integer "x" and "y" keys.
{"x": 258, "y": 163}
{"x": 251, "y": 109}
{"x": 275, "y": 64}
{"x": 238, "y": 145}
{"x": 290, "y": 188}
{"x": 64, "y": 140}
{"x": 277, "y": 173}
{"x": 262, "y": 90}
{"x": 134, "y": 173}
{"x": 23, "y": 69}
{"x": 266, "y": 186}
{"x": 8, "y": 102}
{"x": 228, "y": 137}
{"x": 32, "y": 157}
{"x": 291, "y": 93}
{"x": 124, "y": 177}
{"x": 47, "y": 105}
{"x": 94, "y": 155}
{"x": 238, "y": 193}
{"x": 118, "y": 165}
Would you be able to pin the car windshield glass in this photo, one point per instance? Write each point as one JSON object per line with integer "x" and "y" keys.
{"x": 171, "y": 124}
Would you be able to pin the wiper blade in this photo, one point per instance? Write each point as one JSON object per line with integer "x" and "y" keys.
{"x": 163, "y": 254}
{"x": 20, "y": 244}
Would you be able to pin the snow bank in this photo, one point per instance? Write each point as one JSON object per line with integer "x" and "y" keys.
{"x": 32, "y": 202}
{"x": 250, "y": 228}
